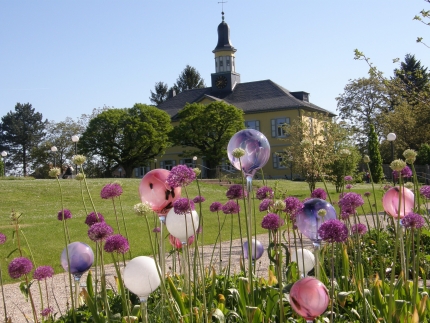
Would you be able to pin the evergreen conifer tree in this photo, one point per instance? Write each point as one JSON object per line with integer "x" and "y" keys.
{"x": 375, "y": 156}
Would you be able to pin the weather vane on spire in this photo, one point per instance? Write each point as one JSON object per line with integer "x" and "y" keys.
{"x": 222, "y": 8}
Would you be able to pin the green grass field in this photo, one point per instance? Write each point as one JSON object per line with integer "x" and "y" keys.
{"x": 40, "y": 200}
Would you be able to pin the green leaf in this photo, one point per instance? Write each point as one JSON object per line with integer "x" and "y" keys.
{"x": 178, "y": 298}
{"x": 218, "y": 316}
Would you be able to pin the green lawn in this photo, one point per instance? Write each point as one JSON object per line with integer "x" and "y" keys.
{"x": 40, "y": 200}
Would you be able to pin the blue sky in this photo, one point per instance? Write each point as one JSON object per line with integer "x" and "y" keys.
{"x": 68, "y": 57}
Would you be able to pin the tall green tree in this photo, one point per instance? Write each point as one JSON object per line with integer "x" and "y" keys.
{"x": 206, "y": 131}
{"x": 188, "y": 79}
{"x": 413, "y": 74}
{"x": 21, "y": 131}
{"x": 375, "y": 164}
{"x": 127, "y": 137}
{"x": 160, "y": 94}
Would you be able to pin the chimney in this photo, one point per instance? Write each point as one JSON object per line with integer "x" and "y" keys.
{"x": 171, "y": 94}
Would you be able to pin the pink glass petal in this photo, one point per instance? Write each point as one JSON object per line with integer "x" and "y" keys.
{"x": 154, "y": 190}
{"x": 257, "y": 151}
{"x": 309, "y": 298}
{"x": 390, "y": 201}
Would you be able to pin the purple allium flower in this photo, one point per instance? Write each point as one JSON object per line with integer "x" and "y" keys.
{"x": 406, "y": 172}
{"x": 99, "y": 231}
{"x": 348, "y": 178}
{"x": 319, "y": 193}
{"x": 386, "y": 187}
{"x": 264, "y": 192}
{"x": 346, "y": 212}
{"x": 2, "y": 238}
{"x": 333, "y": 231}
{"x": 215, "y": 207}
{"x": 231, "y": 207}
{"x": 348, "y": 186}
{"x": 67, "y": 215}
{"x": 350, "y": 201}
{"x": 94, "y": 218}
{"x": 43, "y": 272}
{"x": 183, "y": 205}
{"x": 46, "y": 311}
{"x": 425, "y": 191}
{"x": 111, "y": 190}
{"x": 292, "y": 205}
{"x": 235, "y": 192}
{"x": 156, "y": 230}
{"x": 359, "y": 228}
{"x": 413, "y": 220}
{"x": 199, "y": 199}
{"x": 265, "y": 204}
{"x": 116, "y": 243}
{"x": 180, "y": 175}
{"x": 19, "y": 267}
{"x": 367, "y": 194}
{"x": 272, "y": 221}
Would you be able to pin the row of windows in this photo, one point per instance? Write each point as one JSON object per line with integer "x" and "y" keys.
{"x": 276, "y": 126}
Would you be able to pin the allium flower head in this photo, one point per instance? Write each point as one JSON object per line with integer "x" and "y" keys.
{"x": 183, "y": 206}
{"x": 46, "y": 311}
{"x": 366, "y": 159}
{"x": 215, "y": 207}
{"x": 264, "y": 192}
{"x": 351, "y": 200}
{"x": 410, "y": 155}
{"x": 272, "y": 221}
{"x": 386, "y": 187}
{"x": 359, "y": 229}
{"x": 333, "y": 231}
{"x": 425, "y": 191}
{"x": 180, "y": 175}
{"x": 116, "y": 243}
{"x": 93, "y": 218}
{"x": 366, "y": 194}
{"x": 348, "y": 178}
{"x": 292, "y": 205}
{"x": 397, "y": 165}
{"x": 344, "y": 153}
{"x": 19, "y": 267}
{"x": 43, "y": 272}
{"x": 197, "y": 171}
{"x": 67, "y": 214}
{"x": 238, "y": 152}
{"x": 348, "y": 186}
{"x": 413, "y": 220}
{"x": 235, "y": 192}
{"x": 79, "y": 159}
{"x": 54, "y": 172}
{"x": 99, "y": 231}
{"x": 111, "y": 190}
{"x": 265, "y": 205}
{"x": 80, "y": 177}
{"x": 156, "y": 230}
{"x": 199, "y": 199}
{"x": 319, "y": 193}
{"x": 409, "y": 185}
{"x": 406, "y": 172}
{"x": 322, "y": 212}
{"x": 2, "y": 238}
{"x": 142, "y": 209}
{"x": 279, "y": 205}
{"x": 231, "y": 207}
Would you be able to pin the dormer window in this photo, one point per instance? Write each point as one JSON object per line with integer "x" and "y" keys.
{"x": 228, "y": 61}
{"x": 220, "y": 63}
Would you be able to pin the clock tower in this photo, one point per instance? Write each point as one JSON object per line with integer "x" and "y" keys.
{"x": 225, "y": 77}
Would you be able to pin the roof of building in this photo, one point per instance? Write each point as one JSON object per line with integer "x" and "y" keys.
{"x": 251, "y": 97}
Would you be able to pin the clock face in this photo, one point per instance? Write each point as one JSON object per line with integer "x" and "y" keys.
{"x": 221, "y": 82}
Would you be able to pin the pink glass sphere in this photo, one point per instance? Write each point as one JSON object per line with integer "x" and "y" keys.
{"x": 257, "y": 249}
{"x": 81, "y": 258}
{"x": 257, "y": 151}
{"x": 390, "y": 201}
{"x": 309, "y": 297}
{"x": 154, "y": 190}
{"x": 308, "y": 221}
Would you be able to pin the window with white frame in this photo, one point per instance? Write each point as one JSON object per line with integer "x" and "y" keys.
{"x": 278, "y": 130}
{"x": 278, "y": 158}
{"x": 252, "y": 124}
{"x": 168, "y": 164}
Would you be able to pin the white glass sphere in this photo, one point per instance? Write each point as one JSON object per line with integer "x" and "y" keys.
{"x": 141, "y": 276}
{"x": 182, "y": 226}
{"x": 304, "y": 256}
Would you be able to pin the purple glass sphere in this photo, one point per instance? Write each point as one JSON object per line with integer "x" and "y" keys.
{"x": 390, "y": 202}
{"x": 256, "y": 247}
{"x": 308, "y": 221}
{"x": 153, "y": 189}
{"x": 309, "y": 297}
{"x": 257, "y": 151}
{"x": 81, "y": 258}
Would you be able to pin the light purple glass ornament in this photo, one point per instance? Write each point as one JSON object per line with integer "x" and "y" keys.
{"x": 257, "y": 249}
{"x": 257, "y": 151}
{"x": 81, "y": 258}
{"x": 308, "y": 221}
{"x": 154, "y": 190}
{"x": 390, "y": 201}
{"x": 309, "y": 297}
